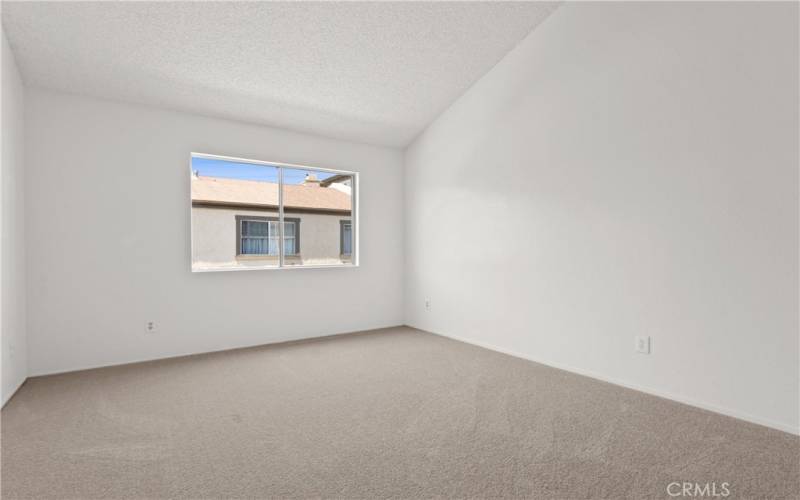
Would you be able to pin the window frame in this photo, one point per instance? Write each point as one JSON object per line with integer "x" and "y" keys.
{"x": 354, "y": 217}
{"x": 262, "y": 218}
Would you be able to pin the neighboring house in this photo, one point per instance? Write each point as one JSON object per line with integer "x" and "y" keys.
{"x": 235, "y": 222}
{"x": 342, "y": 182}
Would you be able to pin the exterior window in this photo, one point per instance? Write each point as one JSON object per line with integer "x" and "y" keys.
{"x": 290, "y": 246}
{"x": 261, "y": 236}
{"x": 247, "y": 214}
{"x": 346, "y": 230}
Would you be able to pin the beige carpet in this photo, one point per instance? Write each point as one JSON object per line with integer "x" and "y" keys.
{"x": 392, "y": 413}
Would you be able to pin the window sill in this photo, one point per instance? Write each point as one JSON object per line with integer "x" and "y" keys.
{"x": 271, "y": 268}
{"x": 270, "y": 258}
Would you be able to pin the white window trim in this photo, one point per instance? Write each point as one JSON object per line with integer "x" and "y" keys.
{"x": 354, "y": 215}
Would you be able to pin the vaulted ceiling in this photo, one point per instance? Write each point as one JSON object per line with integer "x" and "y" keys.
{"x": 368, "y": 72}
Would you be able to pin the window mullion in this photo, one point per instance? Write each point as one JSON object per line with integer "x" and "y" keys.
{"x": 280, "y": 217}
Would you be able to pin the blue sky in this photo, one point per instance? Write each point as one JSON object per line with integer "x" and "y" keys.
{"x": 210, "y": 167}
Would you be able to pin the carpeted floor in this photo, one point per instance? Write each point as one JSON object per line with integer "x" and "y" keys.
{"x": 392, "y": 413}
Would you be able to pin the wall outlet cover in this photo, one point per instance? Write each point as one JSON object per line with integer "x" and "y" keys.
{"x": 642, "y": 344}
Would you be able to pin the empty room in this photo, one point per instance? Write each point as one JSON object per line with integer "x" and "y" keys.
{"x": 411, "y": 250}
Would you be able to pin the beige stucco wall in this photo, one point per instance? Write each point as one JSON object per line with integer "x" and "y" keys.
{"x": 214, "y": 239}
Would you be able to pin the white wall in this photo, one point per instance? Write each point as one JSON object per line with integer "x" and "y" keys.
{"x": 109, "y": 247}
{"x": 12, "y": 270}
{"x": 629, "y": 169}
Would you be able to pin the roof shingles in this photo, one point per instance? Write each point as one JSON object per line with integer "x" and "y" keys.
{"x": 221, "y": 191}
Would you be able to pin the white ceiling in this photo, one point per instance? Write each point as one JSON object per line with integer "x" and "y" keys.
{"x": 370, "y": 72}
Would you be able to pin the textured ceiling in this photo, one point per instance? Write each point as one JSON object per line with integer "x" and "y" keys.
{"x": 369, "y": 72}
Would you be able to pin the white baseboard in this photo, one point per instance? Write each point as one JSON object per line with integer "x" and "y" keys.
{"x": 655, "y": 392}
{"x": 11, "y": 395}
{"x": 40, "y": 372}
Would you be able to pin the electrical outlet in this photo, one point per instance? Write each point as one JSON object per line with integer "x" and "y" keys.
{"x": 150, "y": 327}
{"x": 427, "y": 304}
{"x": 643, "y": 345}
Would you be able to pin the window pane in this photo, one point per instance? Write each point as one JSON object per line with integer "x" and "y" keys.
{"x": 273, "y": 246}
{"x": 289, "y": 237}
{"x": 314, "y": 204}
{"x": 254, "y": 228}
{"x": 347, "y": 238}
{"x": 253, "y": 246}
{"x": 236, "y": 215}
{"x": 273, "y": 228}
{"x": 289, "y": 246}
{"x": 232, "y": 204}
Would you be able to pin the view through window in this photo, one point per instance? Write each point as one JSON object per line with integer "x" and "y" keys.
{"x": 251, "y": 214}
